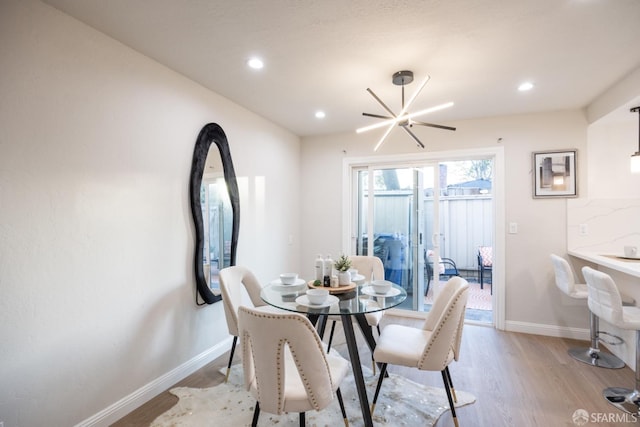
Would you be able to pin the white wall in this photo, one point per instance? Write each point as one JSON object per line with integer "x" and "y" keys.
{"x": 611, "y": 144}
{"x": 96, "y": 240}
{"x": 533, "y": 303}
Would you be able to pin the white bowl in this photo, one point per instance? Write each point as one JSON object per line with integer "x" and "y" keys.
{"x": 317, "y": 296}
{"x": 353, "y": 272}
{"x": 288, "y": 278}
{"x": 381, "y": 286}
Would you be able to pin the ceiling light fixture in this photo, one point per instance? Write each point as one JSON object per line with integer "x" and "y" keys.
{"x": 320, "y": 115}
{"x": 404, "y": 120}
{"x": 635, "y": 157}
{"x": 525, "y": 86}
{"x": 255, "y": 63}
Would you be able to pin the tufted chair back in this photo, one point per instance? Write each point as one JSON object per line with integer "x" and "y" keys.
{"x": 604, "y": 297}
{"x": 565, "y": 280}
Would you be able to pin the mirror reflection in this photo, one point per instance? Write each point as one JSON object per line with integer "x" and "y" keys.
{"x": 217, "y": 219}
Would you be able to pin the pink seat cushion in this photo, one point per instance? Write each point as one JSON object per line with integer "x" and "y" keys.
{"x": 486, "y": 255}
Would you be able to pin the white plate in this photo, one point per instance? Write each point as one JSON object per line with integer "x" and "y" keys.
{"x": 636, "y": 258}
{"x": 370, "y": 290}
{"x": 303, "y": 300}
{"x": 279, "y": 282}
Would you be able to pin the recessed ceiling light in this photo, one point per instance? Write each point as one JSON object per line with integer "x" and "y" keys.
{"x": 255, "y": 63}
{"x": 525, "y": 86}
{"x": 320, "y": 115}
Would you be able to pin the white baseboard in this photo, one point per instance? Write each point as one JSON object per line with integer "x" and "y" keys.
{"x": 147, "y": 392}
{"x": 547, "y": 330}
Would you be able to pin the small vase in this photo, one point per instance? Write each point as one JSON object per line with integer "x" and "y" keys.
{"x": 344, "y": 278}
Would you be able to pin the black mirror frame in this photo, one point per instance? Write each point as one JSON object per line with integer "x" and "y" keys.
{"x": 211, "y": 133}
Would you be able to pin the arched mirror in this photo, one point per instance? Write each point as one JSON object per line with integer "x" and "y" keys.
{"x": 215, "y": 207}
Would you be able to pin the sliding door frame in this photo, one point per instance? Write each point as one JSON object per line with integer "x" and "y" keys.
{"x": 349, "y": 205}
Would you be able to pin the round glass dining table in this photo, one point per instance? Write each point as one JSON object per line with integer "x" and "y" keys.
{"x": 352, "y": 302}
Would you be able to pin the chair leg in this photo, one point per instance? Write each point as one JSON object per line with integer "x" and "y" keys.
{"x": 256, "y": 414}
{"x": 451, "y": 405}
{"x": 373, "y": 361}
{"x": 383, "y": 372}
{"x": 233, "y": 349}
{"x": 373, "y": 365}
{"x": 626, "y": 399}
{"x": 302, "y": 421}
{"x": 453, "y": 390}
{"x": 333, "y": 328}
{"x": 344, "y": 413}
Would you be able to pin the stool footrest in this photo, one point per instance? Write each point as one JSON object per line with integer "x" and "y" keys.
{"x": 618, "y": 340}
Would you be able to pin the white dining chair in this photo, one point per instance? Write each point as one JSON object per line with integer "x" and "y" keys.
{"x": 236, "y": 283}
{"x": 433, "y": 346}
{"x": 285, "y": 365}
{"x": 371, "y": 268}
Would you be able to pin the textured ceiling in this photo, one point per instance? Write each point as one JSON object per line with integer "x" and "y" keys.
{"x": 325, "y": 54}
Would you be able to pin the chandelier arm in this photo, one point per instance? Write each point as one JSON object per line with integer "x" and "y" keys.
{"x": 413, "y": 136}
{"x": 433, "y": 125}
{"x": 377, "y": 116}
{"x": 414, "y": 96}
{"x": 403, "y": 117}
{"x": 386, "y": 134}
{"x": 381, "y": 103}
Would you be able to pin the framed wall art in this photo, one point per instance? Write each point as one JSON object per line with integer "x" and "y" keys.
{"x": 555, "y": 174}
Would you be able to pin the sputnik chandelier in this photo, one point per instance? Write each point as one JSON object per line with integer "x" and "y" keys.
{"x": 403, "y": 119}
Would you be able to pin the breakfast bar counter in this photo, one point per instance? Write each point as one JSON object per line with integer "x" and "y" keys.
{"x": 612, "y": 261}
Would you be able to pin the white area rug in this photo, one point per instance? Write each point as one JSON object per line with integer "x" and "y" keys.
{"x": 401, "y": 403}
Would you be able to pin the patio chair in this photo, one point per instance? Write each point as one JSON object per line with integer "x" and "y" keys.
{"x": 485, "y": 264}
{"x": 447, "y": 267}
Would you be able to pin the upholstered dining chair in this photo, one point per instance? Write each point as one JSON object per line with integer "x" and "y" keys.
{"x": 235, "y": 283}
{"x": 371, "y": 268}
{"x": 605, "y": 301}
{"x": 285, "y": 365}
{"x": 433, "y": 346}
{"x": 565, "y": 281}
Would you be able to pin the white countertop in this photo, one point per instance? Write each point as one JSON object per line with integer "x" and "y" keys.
{"x": 609, "y": 260}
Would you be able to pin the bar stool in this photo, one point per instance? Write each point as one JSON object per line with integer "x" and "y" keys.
{"x": 604, "y": 300}
{"x": 566, "y": 283}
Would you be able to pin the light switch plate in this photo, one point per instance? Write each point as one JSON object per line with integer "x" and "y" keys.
{"x": 513, "y": 228}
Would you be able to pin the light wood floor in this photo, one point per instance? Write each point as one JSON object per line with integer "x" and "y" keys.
{"x": 518, "y": 380}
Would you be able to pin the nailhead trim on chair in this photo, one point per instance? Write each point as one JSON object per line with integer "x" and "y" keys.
{"x": 436, "y": 332}
{"x": 280, "y": 356}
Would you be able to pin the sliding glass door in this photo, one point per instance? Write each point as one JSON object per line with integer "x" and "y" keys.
{"x": 426, "y": 223}
{"x": 389, "y": 224}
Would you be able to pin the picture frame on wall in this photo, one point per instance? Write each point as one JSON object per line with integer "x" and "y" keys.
{"x": 555, "y": 174}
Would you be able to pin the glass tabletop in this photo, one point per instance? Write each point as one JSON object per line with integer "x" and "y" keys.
{"x": 361, "y": 299}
